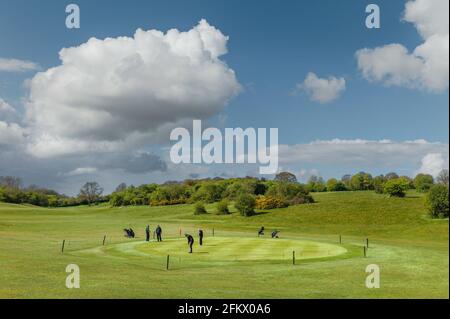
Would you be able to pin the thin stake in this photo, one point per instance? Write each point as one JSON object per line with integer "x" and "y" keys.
{"x": 367, "y": 242}
{"x": 63, "y": 243}
{"x": 293, "y": 257}
{"x": 340, "y": 239}
{"x": 365, "y": 254}
{"x": 104, "y": 238}
{"x": 167, "y": 265}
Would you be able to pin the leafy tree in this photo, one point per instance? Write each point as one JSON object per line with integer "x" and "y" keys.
{"x": 378, "y": 184}
{"x": 90, "y": 192}
{"x": 286, "y": 177}
{"x": 333, "y": 185}
{"x": 423, "y": 182}
{"x": 396, "y": 187}
{"x": 245, "y": 204}
{"x": 361, "y": 181}
{"x": 437, "y": 201}
{"x": 316, "y": 184}
{"x": 391, "y": 175}
{"x": 346, "y": 179}
{"x": 209, "y": 192}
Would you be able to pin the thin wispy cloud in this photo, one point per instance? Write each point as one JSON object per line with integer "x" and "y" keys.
{"x": 15, "y": 65}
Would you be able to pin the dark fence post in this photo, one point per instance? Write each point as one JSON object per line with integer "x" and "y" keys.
{"x": 293, "y": 257}
{"x": 365, "y": 253}
{"x": 104, "y": 238}
{"x": 167, "y": 265}
{"x": 340, "y": 239}
{"x": 62, "y": 247}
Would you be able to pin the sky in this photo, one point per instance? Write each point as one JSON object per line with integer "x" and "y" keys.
{"x": 99, "y": 102}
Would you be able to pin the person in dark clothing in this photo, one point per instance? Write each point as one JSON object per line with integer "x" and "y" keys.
{"x": 200, "y": 236}
{"x": 158, "y": 233}
{"x": 190, "y": 240}
{"x": 147, "y": 233}
{"x": 132, "y": 232}
{"x": 275, "y": 234}
{"x": 261, "y": 232}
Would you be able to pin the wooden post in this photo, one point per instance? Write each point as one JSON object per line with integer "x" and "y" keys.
{"x": 62, "y": 247}
{"x": 293, "y": 257}
{"x": 365, "y": 253}
{"x": 167, "y": 265}
{"x": 180, "y": 232}
{"x": 367, "y": 242}
{"x": 340, "y": 239}
{"x": 104, "y": 238}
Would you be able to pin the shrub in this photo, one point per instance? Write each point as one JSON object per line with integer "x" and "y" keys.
{"x": 437, "y": 201}
{"x": 396, "y": 187}
{"x": 245, "y": 204}
{"x": 222, "y": 207}
{"x": 301, "y": 198}
{"x": 270, "y": 202}
{"x": 199, "y": 209}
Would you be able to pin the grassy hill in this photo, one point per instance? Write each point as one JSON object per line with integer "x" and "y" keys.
{"x": 410, "y": 249}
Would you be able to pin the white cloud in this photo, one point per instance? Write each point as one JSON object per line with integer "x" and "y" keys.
{"x": 433, "y": 164}
{"x": 322, "y": 90}
{"x": 427, "y": 67}
{"x": 360, "y": 153}
{"x": 118, "y": 93}
{"x": 11, "y": 134}
{"x": 14, "y": 65}
{"x": 81, "y": 171}
{"x": 5, "y": 108}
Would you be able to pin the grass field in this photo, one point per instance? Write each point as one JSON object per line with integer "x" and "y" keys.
{"x": 411, "y": 250}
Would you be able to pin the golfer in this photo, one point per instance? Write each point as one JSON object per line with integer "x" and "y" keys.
{"x": 190, "y": 240}
{"x": 200, "y": 236}
{"x": 261, "y": 232}
{"x": 147, "y": 233}
{"x": 159, "y": 233}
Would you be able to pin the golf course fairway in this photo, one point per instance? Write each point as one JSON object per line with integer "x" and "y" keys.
{"x": 410, "y": 249}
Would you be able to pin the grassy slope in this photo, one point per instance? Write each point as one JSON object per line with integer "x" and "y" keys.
{"x": 411, "y": 250}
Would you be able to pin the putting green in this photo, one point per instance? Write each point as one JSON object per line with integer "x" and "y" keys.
{"x": 236, "y": 249}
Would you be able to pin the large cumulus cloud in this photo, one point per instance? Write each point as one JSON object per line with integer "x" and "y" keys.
{"x": 117, "y": 93}
{"x": 427, "y": 67}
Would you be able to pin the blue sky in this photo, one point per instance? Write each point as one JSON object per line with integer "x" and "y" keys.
{"x": 272, "y": 47}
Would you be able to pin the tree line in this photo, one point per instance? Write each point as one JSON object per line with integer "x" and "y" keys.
{"x": 247, "y": 193}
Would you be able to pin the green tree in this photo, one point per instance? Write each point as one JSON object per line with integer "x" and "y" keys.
{"x": 396, "y": 187}
{"x": 437, "y": 201}
{"x": 378, "y": 184}
{"x": 423, "y": 182}
{"x": 333, "y": 185}
{"x": 286, "y": 177}
{"x": 245, "y": 204}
